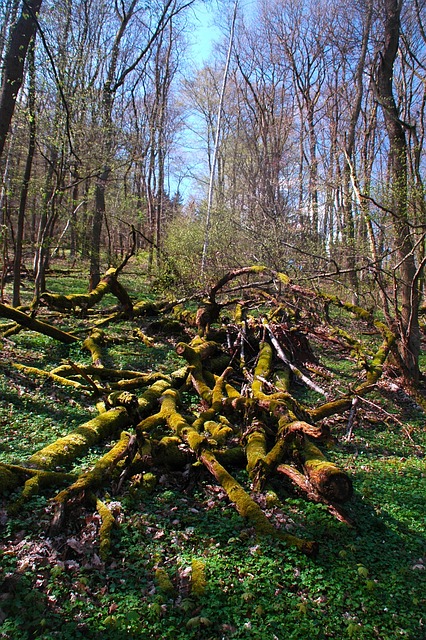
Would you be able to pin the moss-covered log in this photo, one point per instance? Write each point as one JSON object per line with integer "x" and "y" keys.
{"x": 67, "y": 382}
{"x": 263, "y": 369}
{"x": 249, "y": 509}
{"x": 198, "y": 577}
{"x": 176, "y": 422}
{"x": 325, "y": 476}
{"x": 194, "y": 357}
{"x": 220, "y": 431}
{"x": 256, "y": 448}
{"x": 94, "y": 343}
{"x": 84, "y": 301}
{"x": 244, "y": 415}
{"x": 64, "y": 451}
{"x": 95, "y": 477}
{"x": 169, "y": 454}
{"x": 29, "y": 322}
{"x": 114, "y": 378}
{"x": 301, "y": 482}
{"x": 35, "y": 484}
{"x": 107, "y": 523}
{"x": 148, "y": 400}
{"x": 9, "y": 479}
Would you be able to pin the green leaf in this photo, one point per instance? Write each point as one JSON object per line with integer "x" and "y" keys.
{"x": 362, "y": 571}
{"x": 193, "y": 622}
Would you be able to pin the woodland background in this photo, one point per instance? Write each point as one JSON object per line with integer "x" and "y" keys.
{"x": 151, "y": 180}
{"x": 317, "y": 170}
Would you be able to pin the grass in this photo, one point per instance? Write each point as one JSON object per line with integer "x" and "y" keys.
{"x": 368, "y": 581}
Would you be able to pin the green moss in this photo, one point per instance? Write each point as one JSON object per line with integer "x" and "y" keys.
{"x": 247, "y": 507}
{"x": 107, "y": 524}
{"x": 93, "y": 479}
{"x": 177, "y": 423}
{"x": 263, "y": 368}
{"x": 198, "y": 577}
{"x": 66, "y": 449}
{"x": 48, "y": 374}
{"x": 148, "y": 399}
{"x": 149, "y": 481}
{"x": 281, "y": 379}
{"x": 219, "y": 431}
{"x": 282, "y": 277}
{"x": 8, "y": 480}
{"x": 169, "y": 454}
{"x": 255, "y": 446}
{"x": 359, "y": 312}
{"x": 219, "y": 390}
{"x": 163, "y": 582}
{"x": 275, "y": 455}
{"x": 94, "y": 343}
{"x": 193, "y": 355}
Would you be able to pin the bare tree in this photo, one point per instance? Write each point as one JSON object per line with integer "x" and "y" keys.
{"x": 216, "y": 142}
{"x": 116, "y": 75}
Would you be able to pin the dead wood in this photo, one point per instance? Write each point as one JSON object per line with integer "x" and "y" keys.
{"x": 30, "y": 322}
{"x": 243, "y": 410}
{"x": 95, "y": 477}
{"x": 48, "y": 374}
{"x": 84, "y": 301}
{"x": 65, "y": 450}
{"x": 94, "y": 343}
{"x": 326, "y": 477}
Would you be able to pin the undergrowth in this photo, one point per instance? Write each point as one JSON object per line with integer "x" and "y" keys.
{"x": 368, "y": 581}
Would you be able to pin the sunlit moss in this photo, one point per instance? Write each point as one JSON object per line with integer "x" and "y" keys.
{"x": 198, "y": 577}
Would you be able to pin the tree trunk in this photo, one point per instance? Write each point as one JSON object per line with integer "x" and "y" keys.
{"x": 26, "y": 180}
{"x": 98, "y": 216}
{"x": 13, "y": 73}
{"x": 405, "y": 271}
{"x": 35, "y": 325}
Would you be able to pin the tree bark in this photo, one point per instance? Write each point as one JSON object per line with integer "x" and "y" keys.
{"x": 13, "y": 73}
{"x": 26, "y": 180}
{"x": 405, "y": 271}
{"x": 36, "y": 325}
{"x": 98, "y": 217}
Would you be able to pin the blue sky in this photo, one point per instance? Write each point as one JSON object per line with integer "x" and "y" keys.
{"x": 205, "y": 32}
{"x": 209, "y": 25}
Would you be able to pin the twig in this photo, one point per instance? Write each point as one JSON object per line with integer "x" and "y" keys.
{"x": 351, "y": 419}
{"x": 84, "y": 375}
{"x": 390, "y": 416}
{"x": 301, "y": 376}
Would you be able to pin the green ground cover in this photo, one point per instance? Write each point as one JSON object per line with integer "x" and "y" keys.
{"x": 367, "y": 582}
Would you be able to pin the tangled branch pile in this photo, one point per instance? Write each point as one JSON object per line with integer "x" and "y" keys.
{"x": 231, "y": 405}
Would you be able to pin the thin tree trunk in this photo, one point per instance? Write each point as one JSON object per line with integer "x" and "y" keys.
{"x": 216, "y": 144}
{"x": 26, "y": 180}
{"x": 98, "y": 217}
{"x": 349, "y": 150}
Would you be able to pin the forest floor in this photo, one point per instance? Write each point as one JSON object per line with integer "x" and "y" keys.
{"x": 367, "y": 582}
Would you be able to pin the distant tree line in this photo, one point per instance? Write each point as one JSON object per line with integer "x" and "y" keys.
{"x": 320, "y": 164}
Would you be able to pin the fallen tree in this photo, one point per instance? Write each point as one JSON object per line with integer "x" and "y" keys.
{"x": 239, "y": 371}
{"x": 30, "y": 322}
